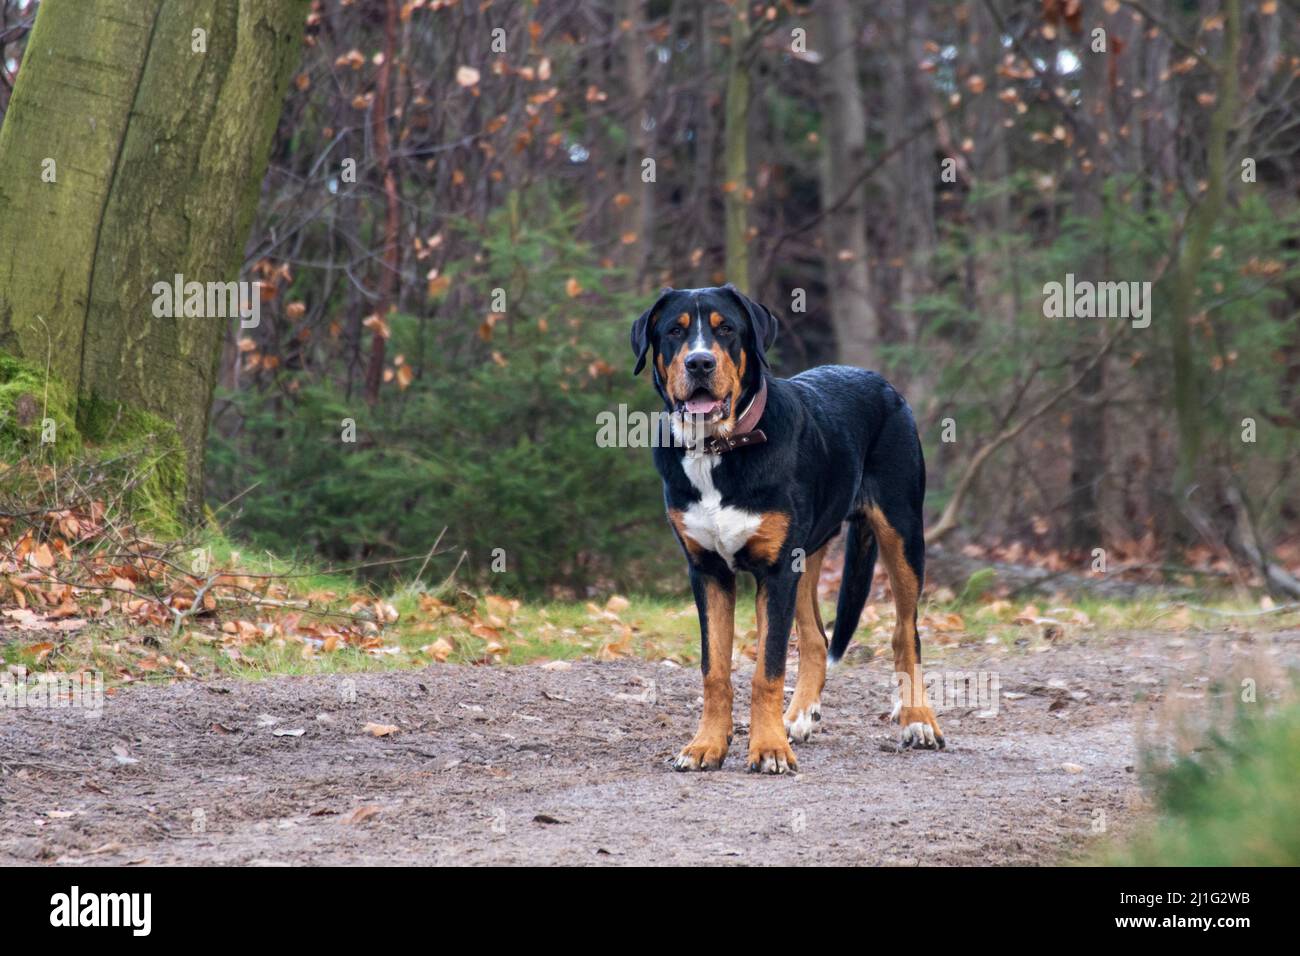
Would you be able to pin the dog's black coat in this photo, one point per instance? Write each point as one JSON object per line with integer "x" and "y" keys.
{"x": 840, "y": 441}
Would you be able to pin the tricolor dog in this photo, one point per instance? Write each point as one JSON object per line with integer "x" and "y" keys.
{"x": 762, "y": 473}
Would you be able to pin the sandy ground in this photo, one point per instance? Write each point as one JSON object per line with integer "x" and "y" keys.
{"x": 535, "y": 765}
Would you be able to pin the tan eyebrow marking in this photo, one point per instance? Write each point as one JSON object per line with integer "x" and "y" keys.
{"x": 684, "y": 320}
{"x": 715, "y": 319}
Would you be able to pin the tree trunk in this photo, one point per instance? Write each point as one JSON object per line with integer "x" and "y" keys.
{"x": 907, "y": 245}
{"x": 1087, "y": 414}
{"x": 848, "y": 271}
{"x": 1188, "y": 392}
{"x": 992, "y": 166}
{"x": 158, "y": 154}
{"x": 390, "y": 264}
{"x": 639, "y": 217}
{"x": 736, "y": 153}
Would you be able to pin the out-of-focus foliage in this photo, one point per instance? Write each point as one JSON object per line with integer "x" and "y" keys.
{"x": 494, "y": 438}
{"x": 1003, "y": 147}
{"x": 1241, "y": 340}
{"x": 1231, "y": 803}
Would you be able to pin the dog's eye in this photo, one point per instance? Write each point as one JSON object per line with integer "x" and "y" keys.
{"x": 725, "y": 330}
{"x": 676, "y": 332}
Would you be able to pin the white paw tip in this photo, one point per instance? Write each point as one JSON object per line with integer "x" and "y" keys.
{"x": 801, "y": 728}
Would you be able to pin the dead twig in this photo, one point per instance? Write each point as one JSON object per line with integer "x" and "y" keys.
{"x": 948, "y": 519}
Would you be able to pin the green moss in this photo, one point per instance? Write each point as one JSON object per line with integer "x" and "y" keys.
{"x": 34, "y": 406}
{"x": 141, "y": 451}
{"x": 148, "y": 451}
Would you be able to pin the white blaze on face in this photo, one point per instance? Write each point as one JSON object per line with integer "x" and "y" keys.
{"x": 698, "y": 345}
{"x": 691, "y": 425}
{"x": 700, "y": 406}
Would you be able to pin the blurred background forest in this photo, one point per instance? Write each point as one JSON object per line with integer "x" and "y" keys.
{"x": 469, "y": 202}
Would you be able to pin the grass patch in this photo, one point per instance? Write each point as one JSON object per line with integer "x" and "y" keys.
{"x": 203, "y": 605}
{"x": 452, "y": 625}
{"x": 1235, "y": 802}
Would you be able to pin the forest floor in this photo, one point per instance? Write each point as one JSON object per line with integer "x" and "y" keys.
{"x": 567, "y": 762}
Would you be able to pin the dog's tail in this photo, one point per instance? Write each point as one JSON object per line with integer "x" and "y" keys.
{"x": 860, "y": 551}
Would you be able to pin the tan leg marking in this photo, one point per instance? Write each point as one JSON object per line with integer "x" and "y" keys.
{"x": 769, "y": 750}
{"x": 806, "y": 706}
{"x": 678, "y": 520}
{"x": 920, "y": 727}
{"x": 765, "y": 544}
{"x": 707, "y": 750}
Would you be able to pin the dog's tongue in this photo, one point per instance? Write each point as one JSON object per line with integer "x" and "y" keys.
{"x": 702, "y": 406}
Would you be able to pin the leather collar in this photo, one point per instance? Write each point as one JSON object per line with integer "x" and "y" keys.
{"x": 744, "y": 434}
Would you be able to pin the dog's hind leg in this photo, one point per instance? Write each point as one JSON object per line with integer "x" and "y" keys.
{"x": 715, "y": 599}
{"x": 898, "y": 528}
{"x": 805, "y": 708}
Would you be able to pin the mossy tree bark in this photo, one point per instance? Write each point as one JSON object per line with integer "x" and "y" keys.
{"x": 158, "y": 150}
{"x": 736, "y": 153}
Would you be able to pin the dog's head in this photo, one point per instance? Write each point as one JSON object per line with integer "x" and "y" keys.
{"x": 708, "y": 349}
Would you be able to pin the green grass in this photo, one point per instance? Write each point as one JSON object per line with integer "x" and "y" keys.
{"x": 1235, "y": 803}
{"x": 652, "y": 628}
{"x": 452, "y": 625}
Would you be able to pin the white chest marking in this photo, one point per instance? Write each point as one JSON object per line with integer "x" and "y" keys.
{"x": 716, "y": 527}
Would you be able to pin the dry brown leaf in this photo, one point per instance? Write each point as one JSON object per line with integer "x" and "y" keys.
{"x": 439, "y": 650}
{"x": 362, "y": 814}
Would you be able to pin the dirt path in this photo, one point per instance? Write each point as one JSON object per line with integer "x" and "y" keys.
{"x": 537, "y": 765}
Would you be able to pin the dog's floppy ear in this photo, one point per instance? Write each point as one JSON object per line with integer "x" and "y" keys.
{"x": 641, "y": 331}
{"x": 761, "y": 320}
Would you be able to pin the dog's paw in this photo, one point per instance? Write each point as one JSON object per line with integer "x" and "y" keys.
{"x": 799, "y": 724}
{"x": 920, "y": 729}
{"x": 771, "y": 756}
{"x": 702, "y": 754}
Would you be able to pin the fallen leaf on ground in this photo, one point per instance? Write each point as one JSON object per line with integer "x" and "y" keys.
{"x": 439, "y": 650}
{"x": 362, "y": 814}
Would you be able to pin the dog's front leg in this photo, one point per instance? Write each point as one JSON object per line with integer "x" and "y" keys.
{"x": 769, "y": 750}
{"x": 715, "y": 599}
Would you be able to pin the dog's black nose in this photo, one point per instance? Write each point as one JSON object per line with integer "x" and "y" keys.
{"x": 701, "y": 363}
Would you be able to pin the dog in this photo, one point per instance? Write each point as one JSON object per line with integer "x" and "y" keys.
{"x": 760, "y": 474}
